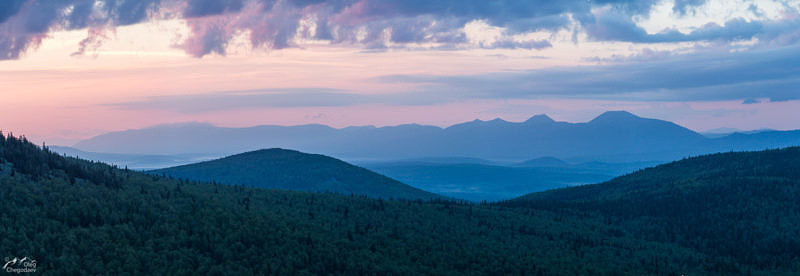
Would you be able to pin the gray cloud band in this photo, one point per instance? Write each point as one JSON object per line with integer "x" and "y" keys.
{"x": 748, "y": 77}
{"x": 707, "y": 76}
{"x": 270, "y": 98}
{"x": 368, "y": 23}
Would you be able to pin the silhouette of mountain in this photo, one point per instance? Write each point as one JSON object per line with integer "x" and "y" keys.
{"x": 740, "y": 205}
{"x": 79, "y": 217}
{"x": 725, "y": 131}
{"x": 757, "y": 141}
{"x": 614, "y": 136}
{"x": 616, "y": 117}
{"x": 539, "y": 119}
{"x": 547, "y": 161}
{"x": 293, "y": 170}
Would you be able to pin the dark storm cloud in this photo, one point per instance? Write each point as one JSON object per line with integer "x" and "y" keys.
{"x": 9, "y": 8}
{"x": 23, "y": 24}
{"x": 611, "y": 25}
{"x": 198, "y": 8}
{"x": 681, "y": 6}
{"x": 371, "y": 24}
{"x": 274, "y": 23}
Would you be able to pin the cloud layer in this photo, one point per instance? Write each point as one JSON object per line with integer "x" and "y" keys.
{"x": 273, "y": 98}
{"x": 749, "y": 77}
{"x": 706, "y": 76}
{"x": 370, "y": 24}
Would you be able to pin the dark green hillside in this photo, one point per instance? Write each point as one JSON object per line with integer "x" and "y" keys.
{"x": 744, "y": 206}
{"x": 77, "y": 217}
{"x": 297, "y": 171}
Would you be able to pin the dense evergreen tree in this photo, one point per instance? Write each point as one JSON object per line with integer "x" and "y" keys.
{"x": 744, "y": 205}
{"x": 296, "y": 171}
{"x": 79, "y": 217}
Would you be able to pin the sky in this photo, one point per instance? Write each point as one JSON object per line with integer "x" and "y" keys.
{"x": 72, "y": 69}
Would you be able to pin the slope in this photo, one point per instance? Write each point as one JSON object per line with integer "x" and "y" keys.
{"x": 294, "y": 170}
{"x": 739, "y": 205}
{"x": 78, "y": 217}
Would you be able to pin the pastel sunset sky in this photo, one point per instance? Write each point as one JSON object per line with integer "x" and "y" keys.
{"x": 72, "y": 69}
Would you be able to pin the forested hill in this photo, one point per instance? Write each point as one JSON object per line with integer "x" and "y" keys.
{"x": 297, "y": 171}
{"x": 740, "y": 205}
{"x": 77, "y": 217}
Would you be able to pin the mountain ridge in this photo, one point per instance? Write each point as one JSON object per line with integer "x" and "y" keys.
{"x": 284, "y": 169}
{"x": 614, "y": 136}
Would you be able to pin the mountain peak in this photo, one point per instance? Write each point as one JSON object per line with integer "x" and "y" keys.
{"x": 277, "y": 168}
{"x": 615, "y": 116}
{"x": 272, "y": 151}
{"x": 546, "y": 161}
{"x": 538, "y": 119}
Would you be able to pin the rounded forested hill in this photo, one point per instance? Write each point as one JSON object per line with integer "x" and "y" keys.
{"x": 741, "y": 205}
{"x": 297, "y": 171}
{"x": 76, "y": 217}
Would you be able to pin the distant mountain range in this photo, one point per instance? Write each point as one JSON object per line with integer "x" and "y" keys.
{"x": 297, "y": 171}
{"x": 105, "y": 220}
{"x": 725, "y": 131}
{"x": 614, "y": 136}
{"x": 547, "y": 161}
{"x": 721, "y": 214}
